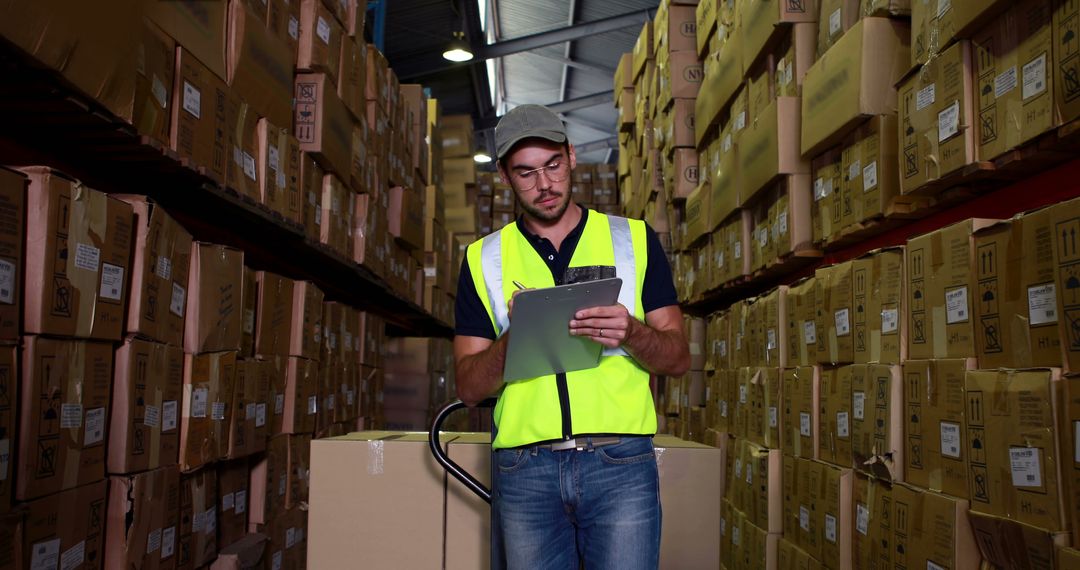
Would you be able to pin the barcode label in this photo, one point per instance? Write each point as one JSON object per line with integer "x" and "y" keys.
{"x": 804, "y": 424}
{"x": 1025, "y": 465}
{"x": 240, "y": 502}
{"x": 956, "y": 305}
{"x": 192, "y": 100}
{"x": 774, "y": 417}
{"x": 804, "y": 518}
{"x": 890, "y": 321}
{"x": 200, "y": 399}
{"x": 858, "y": 405}
{"x": 1042, "y": 304}
{"x": 950, "y": 440}
{"x": 830, "y": 528}
{"x": 809, "y": 332}
{"x": 925, "y": 97}
{"x": 260, "y": 415}
{"x": 249, "y": 411}
{"x": 112, "y": 281}
{"x": 163, "y": 269}
{"x": 168, "y": 542}
{"x": 168, "y": 412}
{"x": 843, "y": 322}
{"x": 7, "y": 282}
{"x": 176, "y": 304}
{"x": 217, "y": 411}
{"x": 322, "y": 29}
{"x": 842, "y": 427}
{"x": 862, "y": 519}
{"x": 153, "y": 541}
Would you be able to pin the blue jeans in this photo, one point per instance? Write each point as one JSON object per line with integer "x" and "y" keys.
{"x": 599, "y": 506}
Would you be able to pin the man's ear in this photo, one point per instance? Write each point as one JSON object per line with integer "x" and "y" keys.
{"x": 573, "y": 157}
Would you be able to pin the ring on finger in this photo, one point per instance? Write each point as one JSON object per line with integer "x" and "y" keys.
{"x": 601, "y": 332}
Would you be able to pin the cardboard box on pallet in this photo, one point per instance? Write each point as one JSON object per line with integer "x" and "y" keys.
{"x": 12, "y": 263}
{"x": 1016, "y": 446}
{"x": 260, "y": 65}
{"x": 801, "y": 401}
{"x": 66, "y": 526}
{"x": 834, "y": 442}
{"x": 853, "y": 81}
{"x": 209, "y": 381}
{"x": 279, "y": 171}
{"x": 936, "y": 116}
{"x": 83, "y": 294}
{"x": 199, "y": 127}
{"x": 301, "y": 400}
{"x": 198, "y": 518}
{"x": 159, "y": 271}
{"x": 932, "y": 529}
{"x": 64, "y": 406}
{"x": 939, "y": 273}
{"x": 214, "y": 305}
{"x": 305, "y": 334}
{"x": 233, "y": 478}
{"x": 323, "y": 125}
{"x": 880, "y": 330}
{"x": 250, "y": 405}
{"x": 936, "y": 427}
{"x": 877, "y": 410}
{"x": 143, "y": 514}
{"x": 144, "y": 422}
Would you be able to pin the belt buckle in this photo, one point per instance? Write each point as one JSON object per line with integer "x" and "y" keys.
{"x": 571, "y": 443}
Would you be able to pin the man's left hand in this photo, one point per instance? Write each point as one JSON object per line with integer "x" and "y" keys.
{"x": 609, "y": 326}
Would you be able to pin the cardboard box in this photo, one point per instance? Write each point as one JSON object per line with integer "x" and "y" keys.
{"x": 1016, "y": 446}
{"x": 767, "y": 148}
{"x": 940, "y": 266}
{"x": 853, "y": 81}
{"x": 232, "y": 499}
{"x": 301, "y": 400}
{"x": 457, "y": 137}
{"x": 1066, "y": 95}
{"x": 269, "y": 483}
{"x": 1007, "y": 543}
{"x": 835, "y": 439}
{"x": 144, "y": 422}
{"x": 12, "y": 235}
{"x": 1066, "y": 218}
{"x": 880, "y": 329}
{"x": 643, "y": 51}
{"x": 763, "y": 23}
{"x": 935, "y": 28}
{"x": 279, "y": 171}
{"x": 143, "y": 513}
{"x": 47, "y": 537}
{"x": 835, "y": 19}
{"x": 250, "y": 404}
{"x": 260, "y": 65}
{"x": 406, "y": 217}
{"x": 198, "y": 518}
{"x": 872, "y": 177}
{"x": 1017, "y": 305}
{"x": 283, "y": 19}
{"x": 249, "y": 302}
{"x": 352, "y": 79}
{"x": 723, "y": 72}
{"x": 209, "y": 381}
{"x": 872, "y": 538}
{"x": 242, "y": 171}
{"x": 81, "y": 295}
{"x": 273, "y": 314}
{"x": 198, "y": 27}
{"x": 826, "y": 211}
{"x": 933, "y": 529}
{"x": 64, "y": 406}
{"x": 833, "y": 513}
{"x": 321, "y": 37}
{"x": 199, "y": 123}
{"x": 9, "y": 382}
{"x": 467, "y": 516}
{"x": 691, "y": 499}
{"x": 705, "y": 19}
{"x": 802, "y": 328}
{"x": 936, "y": 427}
{"x": 296, "y": 493}
{"x": 1015, "y": 91}
{"x": 936, "y": 115}
{"x": 338, "y": 205}
{"x": 159, "y": 269}
{"x": 311, "y": 196}
{"x": 214, "y": 312}
{"x": 834, "y": 296}
{"x": 305, "y": 335}
{"x": 801, "y": 391}
{"x": 877, "y": 418}
{"x": 323, "y": 125}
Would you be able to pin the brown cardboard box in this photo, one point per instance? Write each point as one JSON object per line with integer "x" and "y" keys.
{"x": 684, "y": 172}
{"x": 767, "y": 149}
{"x": 833, "y": 513}
{"x": 160, "y": 269}
{"x": 338, "y": 206}
{"x": 232, "y": 496}
{"x": 1066, "y": 219}
{"x": 692, "y": 499}
{"x": 794, "y": 54}
{"x": 214, "y": 308}
{"x": 723, "y": 75}
{"x": 872, "y": 537}
{"x": 274, "y": 314}
{"x": 936, "y": 115}
{"x": 940, "y": 266}
{"x": 457, "y": 136}
{"x": 144, "y": 422}
{"x": 834, "y": 443}
{"x": 936, "y": 427}
{"x": 279, "y": 170}
{"x": 242, "y": 171}
{"x": 1071, "y": 438}
{"x": 323, "y": 124}
{"x": 249, "y": 302}
{"x": 802, "y": 329}
{"x": 826, "y": 210}
{"x": 64, "y": 406}
{"x": 259, "y": 66}
{"x": 306, "y": 332}
{"x": 352, "y": 79}
{"x": 762, "y": 470}
{"x": 209, "y": 381}
{"x": 871, "y": 172}
{"x": 199, "y": 126}
{"x": 1065, "y": 94}
{"x": 852, "y": 81}
{"x": 764, "y": 22}
{"x": 406, "y": 217}
{"x": 466, "y": 514}
{"x": 301, "y": 400}
{"x": 1006, "y": 543}
{"x": 705, "y": 19}
{"x": 1016, "y": 304}
{"x": 283, "y": 19}
{"x": 296, "y": 492}
{"x": 836, "y": 17}
{"x": 1013, "y": 63}
{"x": 198, "y": 519}
{"x": 268, "y": 483}
{"x": 12, "y": 235}
{"x": 311, "y": 196}
{"x": 9, "y": 382}
{"x": 1016, "y": 447}
{"x": 877, "y": 409}
{"x": 321, "y": 37}
{"x": 48, "y": 537}
{"x": 83, "y": 294}
{"x": 935, "y": 27}
{"x": 643, "y": 51}
{"x": 199, "y": 27}
{"x": 801, "y": 411}
{"x": 834, "y": 295}
{"x": 250, "y": 408}
{"x": 143, "y": 513}
{"x": 880, "y": 330}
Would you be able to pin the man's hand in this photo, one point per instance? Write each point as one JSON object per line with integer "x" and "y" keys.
{"x": 510, "y": 304}
{"x": 609, "y": 326}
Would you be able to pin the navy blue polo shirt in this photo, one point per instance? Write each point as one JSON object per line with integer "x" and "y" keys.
{"x": 658, "y": 290}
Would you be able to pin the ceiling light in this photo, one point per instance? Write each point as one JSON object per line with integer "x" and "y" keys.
{"x": 482, "y": 157}
{"x": 457, "y": 50}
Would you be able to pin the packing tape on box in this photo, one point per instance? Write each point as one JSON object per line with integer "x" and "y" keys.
{"x": 938, "y": 315}
{"x": 76, "y": 358}
{"x": 89, "y": 231}
{"x": 375, "y": 458}
{"x": 155, "y": 431}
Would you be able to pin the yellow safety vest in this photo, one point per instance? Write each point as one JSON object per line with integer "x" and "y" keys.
{"x": 614, "y": 397}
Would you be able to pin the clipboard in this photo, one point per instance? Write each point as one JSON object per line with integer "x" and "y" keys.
{"x": 541, "y": 343}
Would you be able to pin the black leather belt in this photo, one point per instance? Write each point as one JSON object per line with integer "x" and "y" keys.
{"x": 580, "y": 443}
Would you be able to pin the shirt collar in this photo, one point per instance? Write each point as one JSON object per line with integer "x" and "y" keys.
{"x": 571, "y": 237}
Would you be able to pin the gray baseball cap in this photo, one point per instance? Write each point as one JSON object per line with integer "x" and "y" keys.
{"x": 526, "y": 122}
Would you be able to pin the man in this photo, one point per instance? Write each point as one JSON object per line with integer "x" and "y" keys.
{"x": 577, "y": 478}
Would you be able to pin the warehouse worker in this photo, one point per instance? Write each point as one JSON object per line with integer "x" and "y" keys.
{"x": 577, "y": 478}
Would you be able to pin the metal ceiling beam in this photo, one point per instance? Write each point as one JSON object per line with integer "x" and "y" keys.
{"x": 567, "y": 51}
{"x": 601, "y": 144}
{"x": 588, "y": 124}
{"x": 601, "y": 98}
{"x": 579, "y": 65}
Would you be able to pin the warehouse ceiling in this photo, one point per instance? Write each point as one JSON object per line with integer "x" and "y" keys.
{"x": 554, "y": 52}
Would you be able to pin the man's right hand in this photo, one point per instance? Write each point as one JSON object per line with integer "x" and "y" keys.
{"x": 510, "y": 305}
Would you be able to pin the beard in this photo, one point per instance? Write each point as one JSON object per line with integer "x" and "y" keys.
{"x": 547, "y": 213}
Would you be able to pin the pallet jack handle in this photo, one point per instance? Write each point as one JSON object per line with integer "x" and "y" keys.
{"x": 452, "y": 468}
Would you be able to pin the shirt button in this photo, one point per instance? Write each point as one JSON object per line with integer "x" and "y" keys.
{"x": 551, "y": 258}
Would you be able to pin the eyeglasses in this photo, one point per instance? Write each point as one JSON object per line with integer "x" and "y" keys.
{"x": 556, "y": 172}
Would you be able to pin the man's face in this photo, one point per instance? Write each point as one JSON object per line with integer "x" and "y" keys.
{"x": 539, "y": 171}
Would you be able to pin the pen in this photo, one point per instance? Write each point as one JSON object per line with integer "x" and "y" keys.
{"x": 519, "y": 285}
